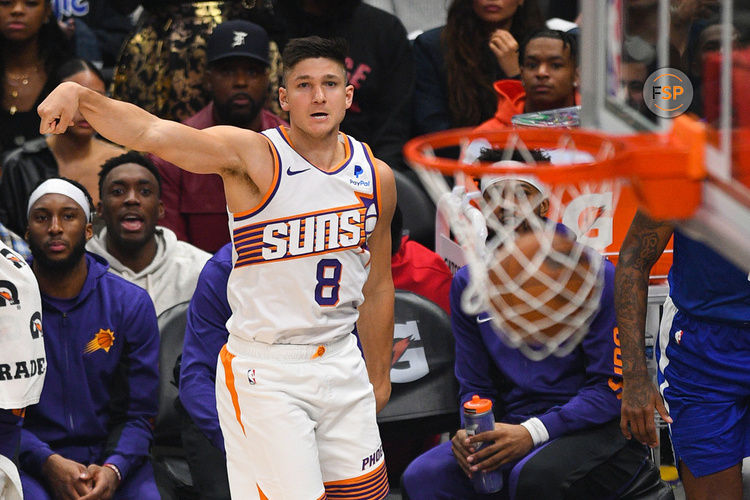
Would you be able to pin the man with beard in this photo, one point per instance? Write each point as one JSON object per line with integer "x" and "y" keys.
{"x": 135, "y": 247}
{"x": 91, "y": 431}
{"x": 237, "y": 76}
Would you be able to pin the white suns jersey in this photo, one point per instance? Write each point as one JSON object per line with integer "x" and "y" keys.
{"x": 300, "y": 257}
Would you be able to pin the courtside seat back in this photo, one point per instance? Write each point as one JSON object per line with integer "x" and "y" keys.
{"x": 417, "y": 209}
{"x": 172, "y": 324}
{"x": 424, "y": 387}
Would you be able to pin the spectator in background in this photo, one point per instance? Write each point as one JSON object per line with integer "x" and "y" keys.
{"x": 549, "y": 78}
{"x": 91, "y": 431}
{"x": 32, "y": 47}
{"x": 99, "y": 28}
{"x": 135, "y": 247}
{"x": 633, "y": 74}
{"x": 380, "y": 66}
{"x": 161, "y": 66}
{"x": 704, "y": 40}
{"x": 458, "y": 63}
{"x": 22, "y": 361}
{"x": 417, "y": 268}
{"x": 77, "y": 154}
{"x": 237, "y": 77}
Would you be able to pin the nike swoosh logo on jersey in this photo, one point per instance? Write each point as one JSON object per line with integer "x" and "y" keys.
{"x": 289, "y": 171}
{"x": 485, "y": 319}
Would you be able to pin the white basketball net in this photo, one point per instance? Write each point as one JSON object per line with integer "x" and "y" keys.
{"x": 532, "y": 309}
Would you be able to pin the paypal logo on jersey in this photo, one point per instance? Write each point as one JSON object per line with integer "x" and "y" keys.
{"x": 358, "y": 171}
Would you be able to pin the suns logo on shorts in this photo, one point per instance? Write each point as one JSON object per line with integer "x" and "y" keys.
{"x": 104, "y": 339}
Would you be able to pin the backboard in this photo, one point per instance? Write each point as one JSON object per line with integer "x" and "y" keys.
{"x": 625, "y": 41}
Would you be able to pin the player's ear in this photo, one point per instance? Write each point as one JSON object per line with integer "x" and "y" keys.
{"x": 349, "y": 95}
{"x": 283, "y": 99}
{"x": 544, "y": 208}
{"x": 161, "y": 211}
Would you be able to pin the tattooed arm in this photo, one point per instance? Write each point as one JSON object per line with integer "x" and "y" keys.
{"x": 643, "y": 245}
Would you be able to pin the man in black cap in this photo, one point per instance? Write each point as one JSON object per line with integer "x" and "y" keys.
{"x": 237, "y": 78}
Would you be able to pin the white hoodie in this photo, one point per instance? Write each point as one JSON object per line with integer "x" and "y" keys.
{"x": 170, "y": 278}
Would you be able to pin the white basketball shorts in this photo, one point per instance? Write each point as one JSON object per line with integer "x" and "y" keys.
{"x": 299, "y": 421}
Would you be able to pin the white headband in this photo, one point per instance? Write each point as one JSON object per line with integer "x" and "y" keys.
{"x": 489, "y": 180}
{"x": 65, "y": 188}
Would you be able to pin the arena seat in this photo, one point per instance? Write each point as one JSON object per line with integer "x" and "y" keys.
{"x": 170, "y": 466}
{"x": 417, "y": 209}
{"x": 424, "y": 393}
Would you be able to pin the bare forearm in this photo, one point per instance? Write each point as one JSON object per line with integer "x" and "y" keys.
{"x": 120, "y": 122}
{"x": 375, "y": 329}
{"x": 631, "y": 294}
{"x": 643, "y": 245}
{"x": 213, "y": 150}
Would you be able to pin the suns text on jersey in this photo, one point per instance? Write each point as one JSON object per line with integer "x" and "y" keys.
{"x": 313, "y": 234}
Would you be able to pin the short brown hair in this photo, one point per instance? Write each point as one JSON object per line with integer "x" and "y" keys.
{"x": 313, "y": 47}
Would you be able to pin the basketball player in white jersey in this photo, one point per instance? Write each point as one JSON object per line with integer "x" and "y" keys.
{"x": 310, "y": 212}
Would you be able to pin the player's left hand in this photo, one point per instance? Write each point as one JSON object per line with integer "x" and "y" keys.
{"x": 505, "y": 48}
{"x": 510, "y": 443}
{"x": 105, "y": 483}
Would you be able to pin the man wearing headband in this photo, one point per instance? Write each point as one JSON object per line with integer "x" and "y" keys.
{"x": 556, "y": 418}
{"x": 91, "y": 431}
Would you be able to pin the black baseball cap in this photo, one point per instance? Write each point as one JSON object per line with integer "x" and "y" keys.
{"x": 238, "y": 38}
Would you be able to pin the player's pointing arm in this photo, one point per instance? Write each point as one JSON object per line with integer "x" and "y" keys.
{"x": 213, "y": 150}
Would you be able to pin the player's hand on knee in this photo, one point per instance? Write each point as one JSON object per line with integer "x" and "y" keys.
{"x": 508, "y": 443}
{"x": 105, "y": 481}
{"x": 58, "y": 108}
{"x": 461, "y": 451}
{"x": 639, "y": 398}
{"x": 67, "y": 478}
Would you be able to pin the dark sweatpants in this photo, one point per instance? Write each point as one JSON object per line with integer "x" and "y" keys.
{"x": 594, "y": 463}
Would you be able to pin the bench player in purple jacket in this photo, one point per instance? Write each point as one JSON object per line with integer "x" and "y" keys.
{"x": 557, "y": 434}
{"x": 90, "y": 434}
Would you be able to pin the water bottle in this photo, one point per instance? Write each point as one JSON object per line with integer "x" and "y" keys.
{"x": 478, "y": 418}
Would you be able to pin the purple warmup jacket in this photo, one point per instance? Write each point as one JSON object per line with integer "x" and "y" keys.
{"x": 205, "y": 335}
{"x": 100, "y": 394}
{"x": 580, "y": 390}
